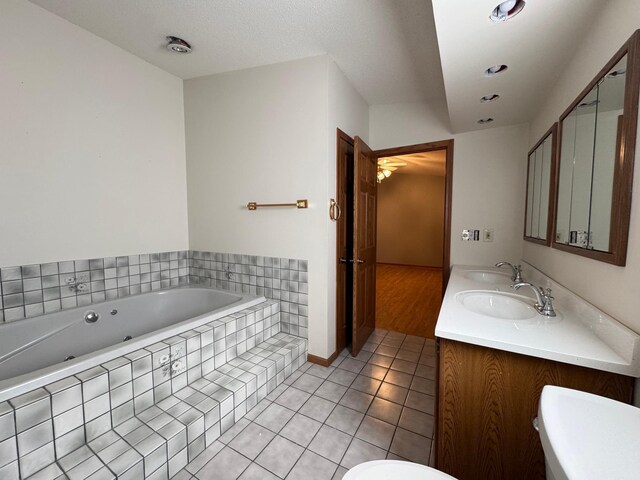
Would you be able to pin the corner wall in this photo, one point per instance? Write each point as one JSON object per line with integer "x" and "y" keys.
{"x": 487, "y": 164}
{"x": 267, "y": 134}
{"x": 92, "y": 150}
{"x": 349, "y": 112}
{"x": 411, "y": 220}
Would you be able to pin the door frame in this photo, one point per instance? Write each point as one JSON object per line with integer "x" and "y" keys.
{"x": 340, "y": 136}
{"x": 447, "y": 146}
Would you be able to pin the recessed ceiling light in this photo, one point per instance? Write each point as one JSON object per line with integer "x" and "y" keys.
{"x": 592, "y": 103}
{"x": 482, "y": 121}
{"x": 506, "y": 10}
{"x": 489, "y": 98}
{"x": 495, "y": 70}
{"x": 617, "y": 73}
{"x": 178, "y": 45}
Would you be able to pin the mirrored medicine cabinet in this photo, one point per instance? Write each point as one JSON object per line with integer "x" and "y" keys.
{"x": 594, "y": 169}
{"x": 539, "y": 200}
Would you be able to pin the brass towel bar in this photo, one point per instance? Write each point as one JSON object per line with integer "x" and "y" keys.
{"x": 297, "y": 204}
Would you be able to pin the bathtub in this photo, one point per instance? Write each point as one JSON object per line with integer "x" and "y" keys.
{"x": 41, "y": 350}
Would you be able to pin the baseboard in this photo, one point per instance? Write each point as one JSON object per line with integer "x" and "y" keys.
{"x": 325, "y": 362}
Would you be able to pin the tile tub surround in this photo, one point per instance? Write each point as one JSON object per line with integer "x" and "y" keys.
{"x": 148, "y": 413}
{"x": 282, "y": 279}
{"x": 32, "y": 290}
{"x": 323, "y": 421}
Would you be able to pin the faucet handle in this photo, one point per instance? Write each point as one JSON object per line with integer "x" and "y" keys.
{"x": 547, "y": 307}
{"x": 517, "y": 273}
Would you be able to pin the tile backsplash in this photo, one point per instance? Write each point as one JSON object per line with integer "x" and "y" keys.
{"x": 31, "y": 290}
{"x": 282, "y": 279}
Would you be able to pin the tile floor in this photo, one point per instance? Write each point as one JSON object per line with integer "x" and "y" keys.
{"x": 323, "y": 421}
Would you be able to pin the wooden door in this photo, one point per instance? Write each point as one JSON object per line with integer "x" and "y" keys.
{"x": 364, "y": 247}
{"x": 343, "y": 214}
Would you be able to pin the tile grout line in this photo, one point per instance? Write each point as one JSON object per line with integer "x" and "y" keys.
{"x": 365, "y": 414}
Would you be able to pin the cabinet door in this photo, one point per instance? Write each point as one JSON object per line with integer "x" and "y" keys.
{"x": 487, "y": 400}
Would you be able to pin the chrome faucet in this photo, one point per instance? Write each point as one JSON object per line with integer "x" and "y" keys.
{"x": 76, "y": 284}
{"x": 227, "y": 272}
{"x": 544, "y": 300}
{"x": 516, "y": 269}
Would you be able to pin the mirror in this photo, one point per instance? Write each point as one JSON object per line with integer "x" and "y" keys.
{"x": 595, "y": 163}
{"x": 541, "y": 165}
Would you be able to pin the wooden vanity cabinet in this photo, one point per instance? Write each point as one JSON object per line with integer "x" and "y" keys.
{"x": 487, "y": 400}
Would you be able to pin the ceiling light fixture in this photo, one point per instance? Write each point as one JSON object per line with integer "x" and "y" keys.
{"x": 388, "y": 165}
{"x": 482, "y": 121}
{"x": 495, "y": 70}
{"x": 506, "y": 10}
{"x": 178, "y": 45}
{"x": 489, "y": 98}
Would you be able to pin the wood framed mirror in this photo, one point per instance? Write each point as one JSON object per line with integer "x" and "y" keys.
{"x": 594, "y": 168}
{"x": 539, "y": 204}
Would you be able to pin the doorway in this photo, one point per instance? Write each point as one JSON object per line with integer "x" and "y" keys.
{"x": 410, "y": 242}
{"x": 356, "y": 260}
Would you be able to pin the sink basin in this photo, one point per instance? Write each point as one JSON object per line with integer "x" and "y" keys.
{"x": 487, "y": 276}
{"x": 496, "y": 305}
{"x": 587, "y": 437}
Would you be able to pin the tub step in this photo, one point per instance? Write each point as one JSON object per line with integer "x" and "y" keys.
{"x": 160, "y": 440}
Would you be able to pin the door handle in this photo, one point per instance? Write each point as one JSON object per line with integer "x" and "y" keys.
{"x": 345, "y": 260}
{"x": 359, "y": 261}
{"x": 334, "y": 210}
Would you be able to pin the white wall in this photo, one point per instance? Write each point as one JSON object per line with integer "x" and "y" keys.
{"x": 92, "y": 152}
{"x": 612, "y": 289}
{"x": 488, "y": 167}
{"x": 410, "y": 223}
{"x": 264, "y": 134}
{"x": 349, "y": 112}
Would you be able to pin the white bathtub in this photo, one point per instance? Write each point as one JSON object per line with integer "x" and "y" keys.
{"x": 33, "y": 351}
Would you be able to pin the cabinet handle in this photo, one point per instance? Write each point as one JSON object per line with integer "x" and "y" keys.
{"x": 536, "y": 424}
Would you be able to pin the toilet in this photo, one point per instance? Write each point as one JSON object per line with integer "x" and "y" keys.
{"x": 394, "y": 470}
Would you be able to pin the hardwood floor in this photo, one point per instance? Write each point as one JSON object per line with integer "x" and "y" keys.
{"x": 408, "y": 298}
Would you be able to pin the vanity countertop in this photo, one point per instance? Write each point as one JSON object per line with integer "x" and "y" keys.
{"x": 579, "y": 335}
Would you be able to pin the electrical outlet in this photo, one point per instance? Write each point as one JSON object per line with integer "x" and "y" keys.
{"x": 488, "y": 235}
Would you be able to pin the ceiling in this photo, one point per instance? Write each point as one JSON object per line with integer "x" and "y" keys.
{"x": 392, "y": 51}
{"x": 535, "y": 45}
{"x": 387, "y": 48}
{"x": 427, "y": 163}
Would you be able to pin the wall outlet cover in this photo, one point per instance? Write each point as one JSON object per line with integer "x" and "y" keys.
{"x": 487, "y": 235}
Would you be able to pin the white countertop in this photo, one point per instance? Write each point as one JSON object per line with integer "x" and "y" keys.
{"x": 580, "y": 334}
